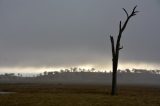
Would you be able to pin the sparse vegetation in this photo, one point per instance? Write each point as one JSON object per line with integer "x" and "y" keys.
{"x": 78, "y": 95}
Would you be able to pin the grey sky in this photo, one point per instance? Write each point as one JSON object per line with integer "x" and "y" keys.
{"x": 37, "y": 33}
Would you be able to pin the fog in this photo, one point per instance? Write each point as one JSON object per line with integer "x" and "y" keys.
{"x": 138, "y": 77}
{"x": 57, "y": 33}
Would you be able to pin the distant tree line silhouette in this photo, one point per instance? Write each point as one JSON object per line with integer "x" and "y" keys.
{"x": 79, "y": 70}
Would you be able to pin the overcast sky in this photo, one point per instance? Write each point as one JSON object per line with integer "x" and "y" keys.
{"x": 67, "y": 33}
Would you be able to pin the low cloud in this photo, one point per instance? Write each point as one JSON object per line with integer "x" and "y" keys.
{"x": 75, "y": 33}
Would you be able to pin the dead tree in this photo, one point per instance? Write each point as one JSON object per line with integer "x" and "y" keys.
{"x": 117, "y": 47}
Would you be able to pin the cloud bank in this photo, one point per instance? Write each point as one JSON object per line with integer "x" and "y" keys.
{"x": 72, "y": 33}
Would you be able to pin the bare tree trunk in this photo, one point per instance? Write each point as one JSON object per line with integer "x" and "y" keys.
{"x": 117, "y": 48}
{"x": 114, "y": 79}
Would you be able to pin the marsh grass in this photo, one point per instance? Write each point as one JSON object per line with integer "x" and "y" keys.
{"x": 78, "y": 95}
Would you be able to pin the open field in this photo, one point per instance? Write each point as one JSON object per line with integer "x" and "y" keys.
{"x": 77, "y": 95}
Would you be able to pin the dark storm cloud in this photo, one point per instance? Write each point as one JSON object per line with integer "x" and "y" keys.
{"x": 72, "y": 32}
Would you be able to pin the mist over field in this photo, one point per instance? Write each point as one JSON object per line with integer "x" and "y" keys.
{"x": 125, "y": 77}
{"x": 79, "y": 53}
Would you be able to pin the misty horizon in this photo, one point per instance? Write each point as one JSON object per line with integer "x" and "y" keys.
{"x": 77, "y": 76}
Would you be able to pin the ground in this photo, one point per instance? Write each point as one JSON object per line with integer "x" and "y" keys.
{"x": 78, "y": 95}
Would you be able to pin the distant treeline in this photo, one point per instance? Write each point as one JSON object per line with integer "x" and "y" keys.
{"x": 76, "y": 76}
{"x": 79, "y": 70}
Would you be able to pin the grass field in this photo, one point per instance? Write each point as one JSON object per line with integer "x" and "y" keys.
{"x": 77, "y": 95}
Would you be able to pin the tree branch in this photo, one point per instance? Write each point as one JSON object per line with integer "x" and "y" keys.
{"x": 112, "y": 44}
{"x": 120, "y": 47}
{"x": 131, "y": 15}
{"x": 121, "y": 28}
{"x": 125, "y": 11}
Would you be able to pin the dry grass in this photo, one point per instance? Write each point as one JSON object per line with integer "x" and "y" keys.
{"x": 78, "y": 95}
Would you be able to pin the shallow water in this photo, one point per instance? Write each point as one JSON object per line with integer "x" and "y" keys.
{"x": 7, "y": 92}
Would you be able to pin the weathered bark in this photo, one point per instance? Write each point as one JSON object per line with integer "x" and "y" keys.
{"x": 117, "y": 48}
